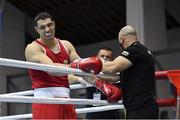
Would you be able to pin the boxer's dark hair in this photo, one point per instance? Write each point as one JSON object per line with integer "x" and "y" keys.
{"x": 106, "y": 48}
{"x": 42, "y": 15}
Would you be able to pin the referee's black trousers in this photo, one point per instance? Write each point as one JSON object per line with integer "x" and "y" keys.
{"x": 149, "y": 110}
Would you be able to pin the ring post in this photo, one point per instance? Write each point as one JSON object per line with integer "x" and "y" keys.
{"x": 174, "y": 76}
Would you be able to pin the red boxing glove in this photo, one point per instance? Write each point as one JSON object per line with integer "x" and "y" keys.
{"x": 112, "y": 92}
{"x": 90, "y": 64}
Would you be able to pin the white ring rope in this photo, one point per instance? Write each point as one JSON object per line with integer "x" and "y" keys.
{"x": 78, "y": 111}
{"x": 12, "y": 117}
{"x": 29, "y": 99}
{"x": 44, "y": 67}
{"x": 38, "y": 66}
{"x": 31, "y": 92}
{"x": 12, "y": 97}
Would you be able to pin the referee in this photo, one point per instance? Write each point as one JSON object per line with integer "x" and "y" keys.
{"x": 137, "y": 74}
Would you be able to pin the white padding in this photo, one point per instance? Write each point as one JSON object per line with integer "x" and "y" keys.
{"x": 52, "y": 92}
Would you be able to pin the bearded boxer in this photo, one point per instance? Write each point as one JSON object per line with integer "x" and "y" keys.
{"x": 50, "y": 50}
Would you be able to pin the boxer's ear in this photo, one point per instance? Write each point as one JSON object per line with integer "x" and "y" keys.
{"x": 36, "y": 28}
{"x": 54, "y": 23}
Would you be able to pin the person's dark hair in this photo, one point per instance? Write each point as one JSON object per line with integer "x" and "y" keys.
{"x": 106, "y": 48}
{"x": 42, "y": 15}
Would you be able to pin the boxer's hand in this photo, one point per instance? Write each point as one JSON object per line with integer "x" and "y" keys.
{"x": 112, "y": 92}
{"x": 90, "y": 64}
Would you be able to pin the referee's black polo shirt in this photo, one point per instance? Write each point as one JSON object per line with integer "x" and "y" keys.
{"x": 137, "y": 82}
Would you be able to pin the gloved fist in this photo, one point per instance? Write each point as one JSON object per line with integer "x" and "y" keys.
{"x": 90, "y": 64}
{"x": 112, "y": 92}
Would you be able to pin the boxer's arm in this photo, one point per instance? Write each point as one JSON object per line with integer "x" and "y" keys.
{"x": 110, "y": 78}
{"x": 73, "y": 79}
{"x": 34, "y": 53}
{"x": 117, "y": 65}
{"x": 71, "y": 50}
{"x": 91, "y": 64}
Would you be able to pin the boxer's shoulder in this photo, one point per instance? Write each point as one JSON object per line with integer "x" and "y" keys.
{"x": 65, "y": 42}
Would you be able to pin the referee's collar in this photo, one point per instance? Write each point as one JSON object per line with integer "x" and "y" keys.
{"x": 134, "y": 43}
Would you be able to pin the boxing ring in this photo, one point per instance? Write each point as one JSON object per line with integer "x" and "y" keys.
{"x": 22, "y": 97}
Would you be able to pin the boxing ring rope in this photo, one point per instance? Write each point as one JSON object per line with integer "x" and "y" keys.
{"x": 161, "y": 74}
{"x": 30, "y": 92}
{"x": 12, "y": 97}
{"x": 29, "y": 99}
{"x": 48, "y": 68}
{"x": 78, "y": 111}
{"x": 38, "y": 66}
{"x": 44, "y": 67}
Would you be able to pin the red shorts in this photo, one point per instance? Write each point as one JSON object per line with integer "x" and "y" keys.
{"x": 53, "y": 111}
